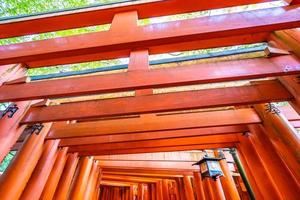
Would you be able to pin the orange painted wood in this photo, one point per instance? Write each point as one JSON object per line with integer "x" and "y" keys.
{"x": 290, "y": 40}
{"x": 159, "y": 172}
{"x": 10, "y": 130}
{"x": 283, "y": 136}
{"x": 198, "y": 185}
{"x": 243, "y": 95}
{"x": 55, "y": 174}
{"x": 218, "y": 190}
{"x": 250, "y": 175}
{"x": 133, "y": 179}
{"x": 262, "y": 176}
{"x": 209, "y": 193}
{"x": 158, "y": 149}
{"x": 181, "y": 46}
{"x": 213, "y": 139}
{"x": 264, "y": 20}
{"x": 181, "y": 133}
{"x": 292, "y": 85}
{"x": 288, "y": 184}
{"x": 79, "y": 187}
{"x": 165, "y": 189}
{"x": 228, "y": 184}
{"x": 189, "y": 193}
{"x": 63, "y": 187}
{"x": 122, "y": 20}
{"x": 131, "y": 195}
{"x": 92, "y": 180}
{"x": 140, "y": 78}
{"x": 38, "y": 179}
{"x": 207, "y": 121}
{"x": 102, "y": 15}
{"x": 14, "y": 179}
{"x": 159, "y": 190}
{"x": 138, "y": 60}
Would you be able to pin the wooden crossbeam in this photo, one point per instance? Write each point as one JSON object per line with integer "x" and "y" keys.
{"x": 152, "y": 135}
{"x": 153, "y": 124}
{"x": 132, "y": 80}
{"x": 146, "y": 170}
{"x": 96, "y": 149}
{"x": 104, "y": 14}
{"x": 129, "y": 178}
{"x": 250, "y": 22}
{"x": 158, "y": 149}
{"x": 244, "y": 95}
{"x": 137, "y": 173}
{"x": 172, "y": 47}
{"x": 155, "y": 165}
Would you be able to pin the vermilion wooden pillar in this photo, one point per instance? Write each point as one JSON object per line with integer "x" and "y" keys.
{"x": 189, "y": 193}
{"x": 38, "y": 179}
{"x": 263, "y": 181}
{"x": 290, "y": 41}
{"x": 92, "y": 181}
{"x": 165, "y": 189}
{"x": 199, "y": 186}
{"x": 287, "y": 184}
{"x": 209, "y": 192}
{"x": 55, "y": 174}
{"x": 159, "y": 190}
{"x": 97, "y": 184}
{"x": 10, "y": 130}
{"x": 131, "y": 192}
{"x": 79, "y": 187}
{"x": 63, "y": 187}
{"x": 18, "y": 173}
{"x": 179, "y": 182}
{"x": 249, "y": 175}
{"x": 227, "y": 181}
{"x": 282, "y": 135}
{"x": 217, "y": 189}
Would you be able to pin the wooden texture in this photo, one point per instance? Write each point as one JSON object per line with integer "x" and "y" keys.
{"x": 244, "y": 95}
{"x": 63, "y": 187}
{"x": 256, "y": 21}
{"x": 148, "y": 79}
{"x": 55, "y": 174}
{"x": 38, "y": 179}
{"x": 22, "y": 166}
{"x": 79, "y": 187}
{"x": 105, "y": 14}
{"x": 208, "y": 122}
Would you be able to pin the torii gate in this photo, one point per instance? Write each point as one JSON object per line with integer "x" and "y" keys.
{"x": 61, "y": 147}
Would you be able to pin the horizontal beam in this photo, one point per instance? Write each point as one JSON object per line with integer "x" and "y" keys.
{"x": 158, "y": 149}
{"x": 180, "y": 46}
{"x": 149, "y": 164}
{"x": 152, "y": 135}
{"x": 250, "y": 22}
{"x": 146, "y": 170}
{"x": 104, "y": 14}
{"x": 93, "y": 149}
{"x": 129, "y": 178}
{"x": 195, "y": 74}
{"x": 137, "y": 173}
{"x": 153, "y": 124}
{"x": 244, "y": 95}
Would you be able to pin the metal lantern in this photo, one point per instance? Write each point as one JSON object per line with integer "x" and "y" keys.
{"x": 210, "y": 167}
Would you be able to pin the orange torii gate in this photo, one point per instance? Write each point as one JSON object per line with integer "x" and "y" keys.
{"x": 61, "y": 147}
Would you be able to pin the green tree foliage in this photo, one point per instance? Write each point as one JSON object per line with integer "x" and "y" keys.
{"x": 6, "y": 161}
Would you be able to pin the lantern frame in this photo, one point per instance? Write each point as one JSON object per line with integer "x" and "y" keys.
{"x": 206, "y": 170}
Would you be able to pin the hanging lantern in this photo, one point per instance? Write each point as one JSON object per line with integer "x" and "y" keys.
{"x": 210, "y": 167}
